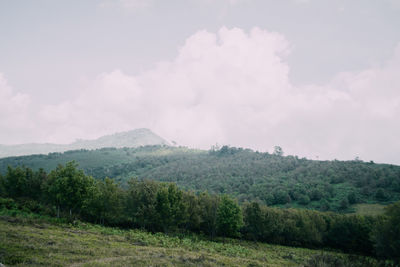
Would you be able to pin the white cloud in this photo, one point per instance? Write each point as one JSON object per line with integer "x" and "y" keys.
{"x": 230, "y": 2}
{"x": 14, "y": 114}
{"x": 302, "y": 1}
{"x": 108, "y": 104}
{"x": 232, "y": 87}
{"x": 127, "y": 4}
{"x": 394, "y": 3}
{"x": 215, "y": 77}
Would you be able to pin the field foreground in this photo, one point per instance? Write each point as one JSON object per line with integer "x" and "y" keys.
{"x": 32, "y": 241}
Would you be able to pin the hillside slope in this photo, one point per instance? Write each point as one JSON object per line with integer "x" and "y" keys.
{"x": 134, "y": 138}
{"x": 271, "y": 179}
{"x": 34, "y": 241}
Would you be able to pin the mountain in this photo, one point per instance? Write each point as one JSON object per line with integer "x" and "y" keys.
{"x": 134, "y": 138}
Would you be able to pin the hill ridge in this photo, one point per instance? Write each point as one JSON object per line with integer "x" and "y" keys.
{"x": 133, "y": 138}
{"x": 286, "y": 181}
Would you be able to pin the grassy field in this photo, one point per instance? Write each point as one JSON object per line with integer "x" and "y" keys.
{"x": 33, "y": 241}
{"x": 369, "y": 209}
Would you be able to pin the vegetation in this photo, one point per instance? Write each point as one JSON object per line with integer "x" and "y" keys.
{"x": 32, "y": 240}
{"x": 387, "y": 234}
{"x": 270, "y": 179}
{"x": 162, "y": 207}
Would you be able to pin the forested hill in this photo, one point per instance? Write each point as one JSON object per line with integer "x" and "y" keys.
{"x": 272, "y": 179}
{"x": 134, "y": 138}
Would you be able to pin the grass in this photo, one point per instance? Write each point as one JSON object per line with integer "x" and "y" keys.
{"x": 31, "y": 240}
{"x": 369, "y": 209}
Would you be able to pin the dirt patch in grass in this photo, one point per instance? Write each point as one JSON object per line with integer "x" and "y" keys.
{"x": 369, "y": 209}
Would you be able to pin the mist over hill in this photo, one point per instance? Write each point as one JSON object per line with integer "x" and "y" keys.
{"x": 134, "y": 138}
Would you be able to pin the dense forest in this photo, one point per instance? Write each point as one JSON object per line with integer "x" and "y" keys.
{"x": 271, "y": 179}
{"x": 162, "y": 207}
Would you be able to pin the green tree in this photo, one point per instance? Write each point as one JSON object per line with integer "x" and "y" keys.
{"x": 350, "y": 233}
{"x": 380, "y": 195}
{"x": 253, "y": 220}
{"x": 316, "y": 194}
{"x": 105, "y": 203}
{"x": 164, "y": 210}
{"x": 208, "y": 213}
{"x": 170, "y": 208}
{"x": 352, "y": 198}
{"x": 386, "y": 235}
{"x": 192, "y": 212}
{"x": 229, "y": 217}
{"x": 68, "y": 187}
{"x": 177, "y": 206}
{"x": 35, "y": 182}
{"x": 15, "y": 182}
{"x": 141, "y": 203}
{"x": 324, "y": 205}
{"x": 304, "y": 200}
{"x": 281, "y": 196}
{"x": 2, "y": 187}
{"x": 344, "y": 204}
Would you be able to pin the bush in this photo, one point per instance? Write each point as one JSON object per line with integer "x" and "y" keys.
{"x": 304, "y": 200}
{"x": 325, "y": 260}
{"x": 7, "y": 203}
{"x": 386, "y": 234}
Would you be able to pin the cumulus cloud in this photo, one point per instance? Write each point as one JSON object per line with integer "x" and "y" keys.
{"x": 232, "y": 87}
{"x": 217, "y": 82}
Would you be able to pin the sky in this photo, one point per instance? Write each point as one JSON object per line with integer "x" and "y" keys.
{"x": 319, "y": 78}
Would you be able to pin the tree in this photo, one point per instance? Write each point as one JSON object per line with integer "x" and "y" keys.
{"x": 208, "y": 213}
{"x": 163, "y": 208}
{"x": 281, "y": 196}
{"x": 350, "y": 233}
{"x": 35, "y": 181}
{"x": 105, "y": 203}
{"x": 324, "y": 205}
{"x": 68, "y": 187}
{"x": 344, "y": 204}
{"x": 141, "y": 203}
{"x": 15, "y": 182}
{"x": 386, "y": 235}
{"x": 304, "y": 200}
{"x": 278, "y": 151}
{"x": 253, "y": 220}
{"x": 316, "y": 194}
{"x": 112, "y": 200}
{"x": 229, "y": 217}
{"x": 193, "y": 212}
{"x": 352, "y": 198}
{"x": 380, "y": 194}
{"x": 2, "y": 188}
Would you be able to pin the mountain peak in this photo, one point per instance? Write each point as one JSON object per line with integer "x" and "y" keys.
{"x": 134, "y": 138}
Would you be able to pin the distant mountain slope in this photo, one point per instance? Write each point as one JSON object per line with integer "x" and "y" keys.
{"x": 248, "y": 175}
{"x": 135, "y": 138}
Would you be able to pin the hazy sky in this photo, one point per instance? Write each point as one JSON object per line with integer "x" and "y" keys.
{"x": 319, "y": 78}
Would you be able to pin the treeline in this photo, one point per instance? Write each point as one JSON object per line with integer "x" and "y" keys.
{"x": 271, "y": 179}
{"x": 68, "y": 192}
